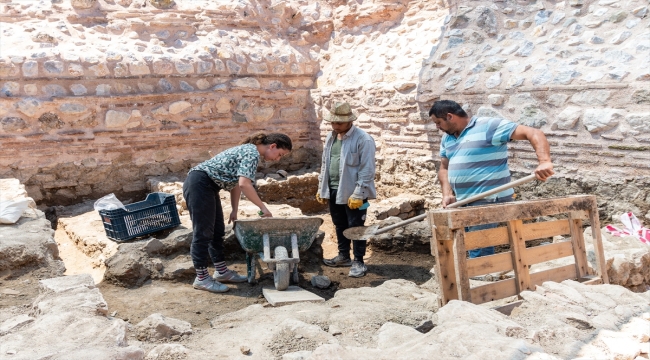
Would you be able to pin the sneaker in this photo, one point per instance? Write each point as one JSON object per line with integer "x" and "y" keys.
{"x": 339, "y": 260}
{"x": 210, "y": 284}
{"x": 358, "y": 269}
{"x": 230, "y": 276}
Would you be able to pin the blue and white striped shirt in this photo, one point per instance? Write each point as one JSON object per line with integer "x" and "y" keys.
{"x": 478, "y": 158}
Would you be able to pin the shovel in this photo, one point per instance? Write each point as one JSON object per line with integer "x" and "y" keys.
{"x": 366, "y": 232}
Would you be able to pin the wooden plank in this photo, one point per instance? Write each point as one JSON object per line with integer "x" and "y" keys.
{"x": 591, "y": 280}
{"x": 441, "y": 219}
{"x": 581, "y": 214}
{"x": 518, "y": 252}
{"x": 460, "y": 265}
{"x": 445, "y": 268}
{"x": 601, "y": 269}
{"x": 578, "y": 242}
{"x": 443, "y": 232}
{"x": 542, "y": 253}
{"x": 531, "y": 231}
{"x": 457, "y": 218}
{"x": 432, "y": 241}
{"x": 558, "y": 274}
{"x": 507, "y": 308}
{"x": 484, "y": 238}
{"x": 489, "y": 264}
{"x": 545, "y": 229}
{"x": 494, "y": 291}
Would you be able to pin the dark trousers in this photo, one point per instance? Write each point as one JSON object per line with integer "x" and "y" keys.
{"x": 490, "y": 249}
{"x": 344, "y": 218}
{"x": 202, "y": 198}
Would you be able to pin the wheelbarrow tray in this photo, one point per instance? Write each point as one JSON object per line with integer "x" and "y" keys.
{"x": 260, "y": 237}
{"x": 250, "y": 232}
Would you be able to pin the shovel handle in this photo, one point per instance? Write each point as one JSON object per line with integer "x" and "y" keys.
{"x": 480, "y": 196}
{"x": 499, "y": 189}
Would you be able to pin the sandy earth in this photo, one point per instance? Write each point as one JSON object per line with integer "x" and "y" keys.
{"x": 179, "y": 300}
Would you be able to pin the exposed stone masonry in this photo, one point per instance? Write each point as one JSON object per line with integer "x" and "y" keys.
{"x": 116, "y": 92}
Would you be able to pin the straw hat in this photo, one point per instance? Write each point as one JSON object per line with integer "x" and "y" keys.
{"x": 340, "y": 112}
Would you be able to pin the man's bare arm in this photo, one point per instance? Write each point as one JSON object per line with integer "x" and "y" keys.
{"x": 538, "y": 140}
{"x": 448, "y": 196}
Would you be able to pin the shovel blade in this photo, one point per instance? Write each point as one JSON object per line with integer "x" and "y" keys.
{"x": 360, "y": 232}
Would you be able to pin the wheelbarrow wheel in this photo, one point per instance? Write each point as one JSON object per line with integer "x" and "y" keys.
{"x": 281, "y": 273}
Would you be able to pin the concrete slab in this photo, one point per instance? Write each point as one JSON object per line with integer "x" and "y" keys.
{"x": 291, "y": 295}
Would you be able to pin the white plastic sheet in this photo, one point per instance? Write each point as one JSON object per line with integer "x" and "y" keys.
{"x": 109, "y": 202}
{"x": 12, "y": 210}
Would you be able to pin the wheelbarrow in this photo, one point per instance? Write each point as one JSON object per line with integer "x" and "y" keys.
{"x": 258, "y": 236}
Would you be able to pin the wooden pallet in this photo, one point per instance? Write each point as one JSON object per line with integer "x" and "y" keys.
{"x": 450, "y": 244}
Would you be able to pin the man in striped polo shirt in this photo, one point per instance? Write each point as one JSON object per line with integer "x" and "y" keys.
{"x": 474, "y": 157}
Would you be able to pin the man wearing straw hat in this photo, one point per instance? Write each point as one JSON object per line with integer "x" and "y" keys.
{"x": 347, "y": 179}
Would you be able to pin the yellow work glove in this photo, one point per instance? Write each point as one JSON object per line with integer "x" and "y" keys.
{"x": 354, "y": 202}
{"x": 320, "y": 199}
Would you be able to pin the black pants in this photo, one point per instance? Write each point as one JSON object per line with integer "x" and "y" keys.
{"x": 202, "y": 198}
{"x": 344, "y": 218}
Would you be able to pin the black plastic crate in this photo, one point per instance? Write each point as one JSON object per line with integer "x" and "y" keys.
{"x": 157, "y": 212}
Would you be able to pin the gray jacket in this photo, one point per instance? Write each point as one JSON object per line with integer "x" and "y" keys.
{"x": 357, "y": 169}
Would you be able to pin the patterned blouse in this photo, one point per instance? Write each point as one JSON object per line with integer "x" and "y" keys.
{"x": 226, "y": 167}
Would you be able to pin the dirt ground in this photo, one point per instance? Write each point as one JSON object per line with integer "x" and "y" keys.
{"x": 179, "y": 300}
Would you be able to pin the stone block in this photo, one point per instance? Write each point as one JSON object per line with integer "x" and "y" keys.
{"x": 162, "y": 4}
{"x": 165, "y": 85}
{"x": 639, "y": 122}
{"x": 73, "y": 108}
{"x": 233, "y": 67}
{"x": 163, "y": 67}
{"x": 157, "y": 326}
{"x": 30, "y": 68}
{"x": 75, "y": 69}
{"x": 185, "y": 86}
{"x": 53, "y": 67}
{"x": 116, "y": 119}
{"x": 54, "y": 90}
{"x": 591, "y": 97}
{"x": 139, "y": 68}
{"x": 184, "y": 68}
{"x": 78, "y": 89}
{"x": 568, "y": 117}
{"x": 11, "y": 88}
{"x": 263, "y": 113}
{"x": 203, "y": 84}
{"x": 29, "y": 107}
{"x": 103, "y": 90}
{"x": 100, "y": 70}
{"x": 532, "y": 116}
{"x": 291, "y": 113}
{"x": 248, "y": 82}
{"x": 179, "y": 107}
{"x": 13, "y": 123}
{"x": 496, "y": 99}
{"x": 31, "y": 89}
{"x": 223, "y": 105}
{"x": 596, "y": 120}
{"x": 83, "y": 4}
{"x": 204, "y": 67}
{"x": 255, "y": 68}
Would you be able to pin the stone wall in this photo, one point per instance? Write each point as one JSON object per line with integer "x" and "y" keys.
{"x": 105, "y": 94}
{"x": 578, "y": 70}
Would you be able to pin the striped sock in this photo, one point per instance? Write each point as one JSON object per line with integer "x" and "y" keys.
{"x": 221, "y": 267}
{"x": 202, "y": 273}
